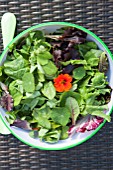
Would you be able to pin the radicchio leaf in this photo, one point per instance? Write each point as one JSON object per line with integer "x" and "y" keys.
{"x": 87, "y": 123}
{"x": 6, "y": 101}
{"x": 21, "y": 124}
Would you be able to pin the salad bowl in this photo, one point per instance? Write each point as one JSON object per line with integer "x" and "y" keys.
{"x": 84, "y": 130}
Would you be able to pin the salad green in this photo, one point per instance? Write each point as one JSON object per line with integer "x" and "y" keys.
{"x": 54, "y": 80}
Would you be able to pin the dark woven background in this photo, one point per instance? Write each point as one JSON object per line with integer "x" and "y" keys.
{"x": 96, "y": 153}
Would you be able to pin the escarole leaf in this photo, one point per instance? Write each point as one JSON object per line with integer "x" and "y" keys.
{"x": 28, "y": 82}
{"x": 102, "y": 115}
{"x": 92, "y": 57}
{"x": 98, "y": 80}
{"x": 49, "y": 90}
{"x": 73, "y": 107}
{"x": 74, "y": 62}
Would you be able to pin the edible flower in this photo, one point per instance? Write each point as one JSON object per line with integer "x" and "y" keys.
{"x": 63, "y": 82}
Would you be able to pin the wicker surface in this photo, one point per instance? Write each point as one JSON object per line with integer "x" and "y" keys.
{"x": 96, "y": 153}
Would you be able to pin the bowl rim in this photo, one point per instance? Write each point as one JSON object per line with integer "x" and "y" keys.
{"x": 51, "y": 24}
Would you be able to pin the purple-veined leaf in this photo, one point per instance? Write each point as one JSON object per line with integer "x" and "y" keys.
{"x": 6, "y": 100}
{"x": 21, "y": 124}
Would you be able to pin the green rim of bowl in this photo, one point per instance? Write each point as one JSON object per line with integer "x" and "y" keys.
{"x": 64, "y": 24}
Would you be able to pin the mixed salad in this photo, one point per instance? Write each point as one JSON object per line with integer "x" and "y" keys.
{"x": 55, "y": 85}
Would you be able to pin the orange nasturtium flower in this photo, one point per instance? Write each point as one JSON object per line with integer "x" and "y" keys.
{"x": 63, "y": 82}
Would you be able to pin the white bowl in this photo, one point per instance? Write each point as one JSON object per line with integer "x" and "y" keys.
{"x": 78, "y": 138}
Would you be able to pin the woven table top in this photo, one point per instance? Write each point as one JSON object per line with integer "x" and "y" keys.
{"x": 97, "y": 152}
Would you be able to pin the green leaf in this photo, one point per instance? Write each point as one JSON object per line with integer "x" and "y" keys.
{"x": 50, "y": 69}
{"x": 60, "y": 115}
{"x": 73, "y": 107}
{"x": 39, "y": 86}
{"x": 49, "y": 90}
{"x": 55, "y": 125}
{"x": 84, "y": 48}
{"x": 102, "y": 115}
{"x": 28, "y": 82}
{"x": 74, "y": 62}
{"x": 42, "y": 132}
{"x": 52, "y": 136}
{"x": 44, "y": 122}
{"x": 16, "y": 91}
{"x": 33, "y": 134}
{"x": 92, "y": 57}
{"x": 64, "y": 133}
{"x": 98, "y": 80}
{"x": 39, "y": 35}
{"x": 91, "y": 108}
{"x": 16, "y": 68}
{"x": 79, "y": 73}
{"x": 30, "y": 102}
{"x": 67, "y": 94}
{"x": 91, "y": 97}
{"x": 52, "y": 103}
{"x": 43, "y": 111}
{"x": 74, "y": 87}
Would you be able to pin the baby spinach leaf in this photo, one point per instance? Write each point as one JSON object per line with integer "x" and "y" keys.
{"x": 44, "y": 122}
{"x": 60, "y": 115}
{"x": 30, "y": 102}
{"x": 52, "y": 103}
{"x": 73, "y": 107}
{"x": 50, "y": 69}
{"x": 49, "y": 90}
{"x": 16, "y": 68}
{"x": 16, "y": 64}
{"x": 79, "y": 73}
{"x": 43, "y": 111}
{"x": 28, "y": 82}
